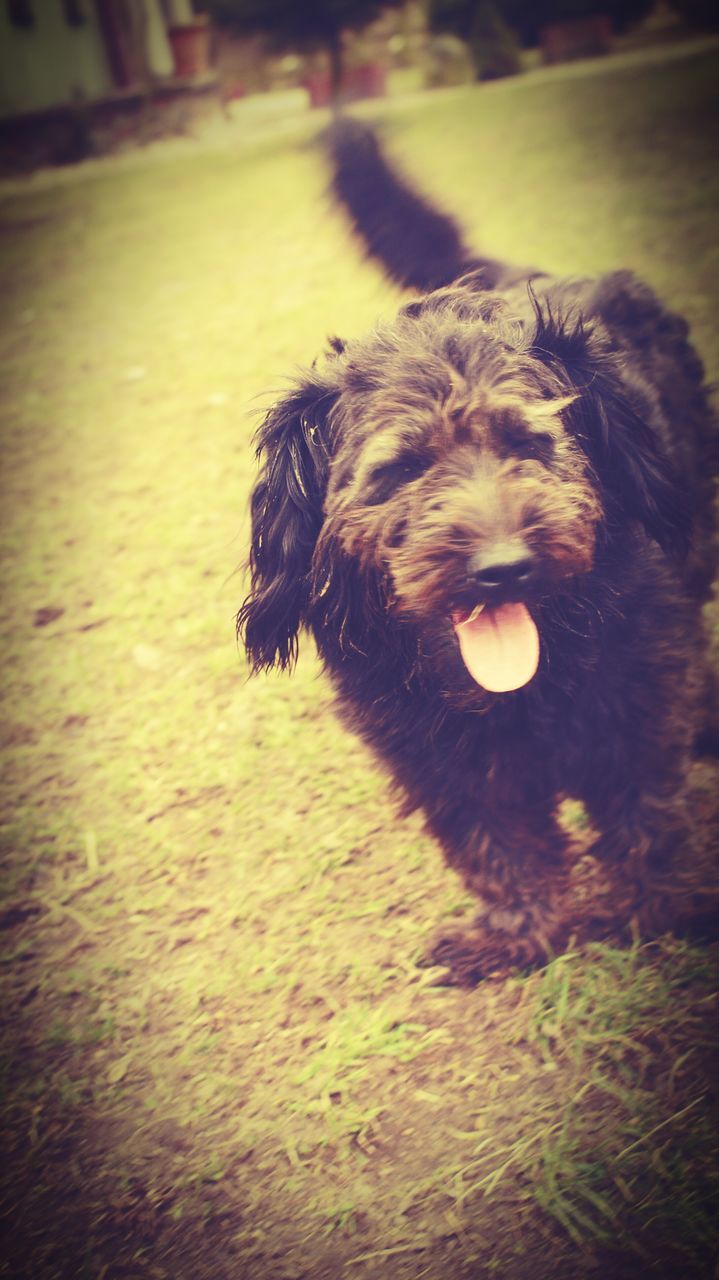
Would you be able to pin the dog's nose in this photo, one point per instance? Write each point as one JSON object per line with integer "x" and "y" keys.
{"x": 503, "y": 565}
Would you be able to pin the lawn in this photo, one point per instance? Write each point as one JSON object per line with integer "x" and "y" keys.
{"x": 222, "y": 1060}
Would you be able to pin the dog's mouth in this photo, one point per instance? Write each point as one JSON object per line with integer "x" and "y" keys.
{"x": 499, "y": 645}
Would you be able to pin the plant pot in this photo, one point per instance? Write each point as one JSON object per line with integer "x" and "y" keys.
{"x": 317, "y": 84}
{"x": 576, "y": 38}
{"x": 365, "y": 81}
{"x": 190, "y": 45}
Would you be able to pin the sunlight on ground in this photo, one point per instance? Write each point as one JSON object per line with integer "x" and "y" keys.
{"x": 224, "y": 1060}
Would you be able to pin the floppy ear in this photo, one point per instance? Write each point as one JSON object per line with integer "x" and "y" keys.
{"x": 620, "y": 429}
{"x": 287, "y": 516}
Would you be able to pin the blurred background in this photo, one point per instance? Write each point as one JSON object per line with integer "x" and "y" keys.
{"x": 221, "y": 1058}
{"x": 88, "y": 77}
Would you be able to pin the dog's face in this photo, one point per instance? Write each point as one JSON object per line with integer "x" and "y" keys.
{"x": 456, "y": 478}
{"x": 457, "y": 474}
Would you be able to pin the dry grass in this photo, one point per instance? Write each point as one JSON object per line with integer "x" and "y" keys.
{"x": 221, "y": 1058}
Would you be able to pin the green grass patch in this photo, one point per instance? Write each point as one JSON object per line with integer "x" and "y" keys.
{"x": 221, "y": 1057}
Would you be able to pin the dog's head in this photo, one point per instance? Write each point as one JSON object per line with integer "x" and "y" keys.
{"x": 449, "y": 473}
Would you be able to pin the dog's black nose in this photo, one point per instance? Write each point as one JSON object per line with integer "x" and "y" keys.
{"x": 500, "y": 566}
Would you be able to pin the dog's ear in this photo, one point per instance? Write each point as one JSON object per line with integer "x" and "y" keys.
{"x": 619, "y": 429}
{"x": 287, "y": 501}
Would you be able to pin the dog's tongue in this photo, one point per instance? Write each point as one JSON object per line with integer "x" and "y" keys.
{"x": 500, "y": 646}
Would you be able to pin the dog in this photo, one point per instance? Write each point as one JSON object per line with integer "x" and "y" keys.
{"x": 495, "y": 515}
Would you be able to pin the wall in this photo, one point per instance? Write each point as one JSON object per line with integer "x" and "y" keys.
{"x": 51, "y": 62}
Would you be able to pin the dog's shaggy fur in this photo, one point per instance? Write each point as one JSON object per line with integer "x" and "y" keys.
{"x": 544, "y": 449}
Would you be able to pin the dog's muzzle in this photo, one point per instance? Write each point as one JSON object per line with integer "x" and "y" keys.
{"x": 498, "y": 638}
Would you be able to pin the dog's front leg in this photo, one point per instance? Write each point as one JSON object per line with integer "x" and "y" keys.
{"x": 660, "y": 860}
{"x": 515, "y": 863}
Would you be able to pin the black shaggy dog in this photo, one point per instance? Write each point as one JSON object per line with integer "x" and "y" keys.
{"x": 495, "y": 515}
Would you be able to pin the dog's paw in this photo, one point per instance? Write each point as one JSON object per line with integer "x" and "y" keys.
{"x": 469, "y": 956}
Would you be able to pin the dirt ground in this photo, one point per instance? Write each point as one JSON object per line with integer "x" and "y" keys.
{"x": 222, "y": 1057}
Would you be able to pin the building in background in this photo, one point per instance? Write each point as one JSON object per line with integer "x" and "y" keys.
{"x": 75, "y": 73}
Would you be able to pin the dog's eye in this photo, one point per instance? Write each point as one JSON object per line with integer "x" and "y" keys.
{"x": 391, "y": 476}
{"x": 535, "y": 445}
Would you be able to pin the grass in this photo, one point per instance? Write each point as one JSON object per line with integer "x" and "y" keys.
{"x": 221, "y": 1057}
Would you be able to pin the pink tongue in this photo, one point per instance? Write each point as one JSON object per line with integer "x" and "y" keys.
{"x": 500, "y": 647}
